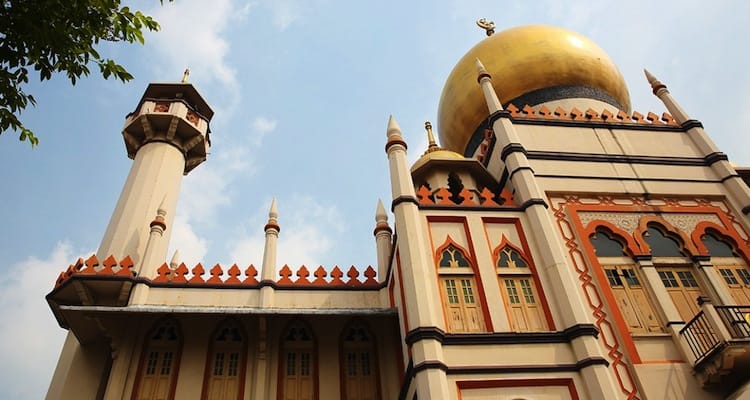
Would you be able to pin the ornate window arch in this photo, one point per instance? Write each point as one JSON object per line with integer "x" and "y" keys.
{"x": 160, "y": 362}
{"x": 519, "y": 289}
{"x": 298, "y": 376}
{"x": 461, "y": 301}
{"x": 670, "y": 251}
{"x": 624, "y": 280}
{"x": 360, "y": 379}
{"x": 224, "y": 377}
{"x": 728, "y": 262}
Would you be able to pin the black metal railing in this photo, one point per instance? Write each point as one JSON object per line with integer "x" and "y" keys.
{"x": 700, "y": 336}
{"x": 736, "y": 319}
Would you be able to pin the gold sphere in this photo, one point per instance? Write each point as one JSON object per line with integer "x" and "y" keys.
{"x": 522, "y": 60}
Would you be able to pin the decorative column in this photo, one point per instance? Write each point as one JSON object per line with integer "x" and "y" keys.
{"x": 739, "y": 193}
{"x": 383, "y": 237}
{"x": 268, "y": 272}
{"x": 567, "y": 292}
{"x": 418, "y": 276}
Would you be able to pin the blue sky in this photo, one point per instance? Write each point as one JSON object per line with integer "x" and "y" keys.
{"x": 302, "y": 91}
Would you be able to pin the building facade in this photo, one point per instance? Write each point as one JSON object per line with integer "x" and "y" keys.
{"x": 558, "y": 246}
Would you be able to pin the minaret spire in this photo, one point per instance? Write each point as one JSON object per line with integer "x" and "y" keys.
{"x": 485, "y": 81}
{"x": 383, "y": 235}
{"x": 272, "y": 230}
{"x": 660, "y": 91}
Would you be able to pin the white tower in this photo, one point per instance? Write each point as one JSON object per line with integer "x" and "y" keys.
{"x": 167, "y": 136}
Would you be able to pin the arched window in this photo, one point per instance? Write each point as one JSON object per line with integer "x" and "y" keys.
{"x": 622, "y": 276}
{"x": 157, "y": 371}
{"x": 519, "y": 291}
{"x": 460, "y": 300}
{"x": 731, "y": 266}
{"x": 359, "y": 364}
{"x": 678, "y": 277}
{"x": 297, "y": 364}
{"x": 225, "y": 363}
{"x": 661, "y": 244}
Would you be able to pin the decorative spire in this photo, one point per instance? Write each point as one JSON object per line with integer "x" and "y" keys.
{"x": 175, "y": 260}
{"x": 185, "y": 75}
{"x": 485, "y": 81}
{"x": 431, "y": 139}
{"x": 393, "y": 128}
{"x": 273, "y": 215}
{"x": 656, "y": 85}
{"x": 481, "y": 71}
{"x": 488, "y": 26}
{"x": 380, "y": 214}
{"x": 660, "y": 91}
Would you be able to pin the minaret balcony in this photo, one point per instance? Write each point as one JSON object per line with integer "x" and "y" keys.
{"x": 717, "y": 343}
{"x": 174, "y": 114}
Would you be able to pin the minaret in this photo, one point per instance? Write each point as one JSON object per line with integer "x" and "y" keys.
{"x": 268, "y": 269}
{"x": 383, "y": 234}
{"x": 417, "y": 273}
{"x": 718, "y": 161}
{"x": 166, "y": 136}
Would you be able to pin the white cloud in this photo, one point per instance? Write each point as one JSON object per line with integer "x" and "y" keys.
{"x": 30, "y": 339}
{"x": 192, "y": 248}
{"x": 285, "y": 13}
{"x": 191, "y": 36}
{"x": 261, "y": 127}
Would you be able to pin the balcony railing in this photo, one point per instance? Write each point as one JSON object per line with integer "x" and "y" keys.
{"x": 736, "y": 319}
{"x": 715, "y": 327}
{"x": 700, "y": 337}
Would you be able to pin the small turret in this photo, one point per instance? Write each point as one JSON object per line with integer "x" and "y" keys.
{"x": 383, "y": 235}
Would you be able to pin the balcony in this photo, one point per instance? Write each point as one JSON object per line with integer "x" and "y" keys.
{"x": 717, "y": 343}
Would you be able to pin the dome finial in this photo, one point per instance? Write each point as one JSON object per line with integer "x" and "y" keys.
{"x": 488, "y": 26}
{"x": 185, "y": 75}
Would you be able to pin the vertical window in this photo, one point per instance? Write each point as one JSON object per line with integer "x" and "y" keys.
{"x": 297, "y": 371}
{"x": 457, "y": 285}
{"x": 731, "y": 266}
{"x": 158, "y": 366}
{"x": 630, "y": 297}
{"x": 225, "y": 363}
{"x": 519, "y": 291}
{"x": 677, "y": 276}
{"x": 359, "y": 369}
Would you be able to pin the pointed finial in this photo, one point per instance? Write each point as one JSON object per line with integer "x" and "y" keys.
{"x": 175, "y": 260}
{"x": 481, "y": 71}
{"x": 430, "y": 136}
{"x": 656, "y": 85}
{"x": 380, "y": 214}
{"x": 273, "y": 212}
{"x": 393, "y": 128}
{"x": 185, "y": 75}
{"x": 488, "y": 26}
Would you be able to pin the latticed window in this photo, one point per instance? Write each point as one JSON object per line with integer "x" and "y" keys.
{"x": 631, "y": 299}
{"x": 226, "y": 359}
{"x": 519, "y": 290}
{"x": 731, "y": 266}
{"x": 457, "y": 283}
{"x": 359, "y": 369}
{"x": 298, "y": 368}
{"x": 158, "y": 365}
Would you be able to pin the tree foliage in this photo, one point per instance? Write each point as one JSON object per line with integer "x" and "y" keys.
{"x": 44, "y": 37}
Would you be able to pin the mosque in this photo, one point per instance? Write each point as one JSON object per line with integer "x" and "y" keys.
{"x": 555, "y": 245}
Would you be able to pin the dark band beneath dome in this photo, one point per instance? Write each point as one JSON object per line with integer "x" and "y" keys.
{"x": 540, "y": 96}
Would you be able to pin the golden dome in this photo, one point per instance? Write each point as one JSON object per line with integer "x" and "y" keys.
{"x": 438, "y": 154}
{"x": 521, "y": 61}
